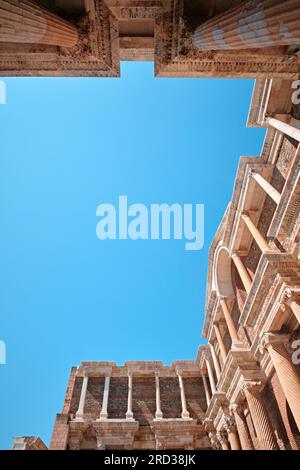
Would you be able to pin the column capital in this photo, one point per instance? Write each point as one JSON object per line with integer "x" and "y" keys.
{"x": 236, "y": 408}
{"x": 214, "y": 440}
{"x": 222, "y": 438}
{"x": 270, "y": 338}
{"x": 288, "y": 295}
{"x": 229, "y": 424}
{"x": 251, "y": 385}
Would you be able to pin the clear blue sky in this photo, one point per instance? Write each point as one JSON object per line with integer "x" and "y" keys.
{"x": 68, "y": 145}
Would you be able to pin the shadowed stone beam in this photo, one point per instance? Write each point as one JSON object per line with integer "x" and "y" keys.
{"x": 253, "y": 24}
{"x": 26, "y": 22}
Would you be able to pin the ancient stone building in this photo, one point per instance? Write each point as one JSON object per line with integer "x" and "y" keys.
{"x": 243, "y": 389}
{"x": 185, "y": 38}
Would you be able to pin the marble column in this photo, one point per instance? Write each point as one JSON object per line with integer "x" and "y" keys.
{"x": 184, "y": 414}
{"x": 284, "y": 127}
{"x": 266, "y": 186}
{"x": 243, "y": 273}
{"x": 261, "y": 242}
{"x": 206, "y": 390}
{"x": 242, "y": 427}
{"x": 26, "y": 22}
{"x": 158, "y": 412}
{"x": 229, "y": 320}
{"x": 210, "y": 375}
{"x": 80, "y": 411}
{"x": 252, "y": 24}
{"x": 103, "y": 413}
{"x": 286, "y": 371}
{"x": 230, "y": 427}
{"x": 260, "y": 417}
{"x": 215, "y": 360}
{"x": 220, "y": 342}
{"x": 129, "y": 412}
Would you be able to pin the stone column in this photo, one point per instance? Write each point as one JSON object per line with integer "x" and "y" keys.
{"x": 222, "y": 438}
{"x": 206, "y": 390}
{"x": 266, "y": 186}
{"x": 242, "y": 427}
{"x": 210, "y": 375}
{"x": 129, "y": 413}
{"x": 103, "y": 413}
{"x": 260, "y": 418}
{"x": 285, "y": 128}
{"x": 244, "y": 275}
{"x": 229, "y": 321}
{"x": 185, "y": 414}
{"x": 80, "y": 411}
{"x": 26, "y": 22}
{"x": 287, "y": 373}
{"x": 290, "y": 297}
{"x": 230, "y": 427}
{"x": 220, "y": 342}
{"x": 263, "y": 245}
{"x": 215, "y": 361}
{"x": 253, "y": 24}
{"x": 158, "y": 412}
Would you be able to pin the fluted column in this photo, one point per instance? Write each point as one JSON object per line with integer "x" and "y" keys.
{"x": 206, "y": 390}
{"x": 291, "y": 297}
{"x": 229, "y": 321}
{"x": 222, "y": 438}
{"x": 266, "y": 186}
{"x": 244, "y": 275}
{"x": 253, "y": 24}
{"x": 220, "y": 342}
{"x": 261, "y": 242}
{"x": 230, "y": 427}
{"x": 260, "y": 418}
{"x": 215, "y": 361}
{"x": 287, "y": 373}
{"x": 210, "y": 375}
{"x": 129, "y": 412}
{"x": 242, "y": 427}
{"x": 158, "y": 412}
{"x": 103, "y": 413}
{"x": 184, "y": 413}
{"x": 284, "y": 127}
{"x": 26, "y": 22}
{"x": 80, "y": 411}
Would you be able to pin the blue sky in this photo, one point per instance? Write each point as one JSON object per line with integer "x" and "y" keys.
{"x": 68, "y": 145}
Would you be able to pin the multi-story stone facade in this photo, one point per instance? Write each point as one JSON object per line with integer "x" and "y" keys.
{"x": 184, "y": 38}
{"x": 243, "y": 390}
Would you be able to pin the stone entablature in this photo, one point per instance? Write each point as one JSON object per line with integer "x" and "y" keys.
{"x": 92, "y": 40}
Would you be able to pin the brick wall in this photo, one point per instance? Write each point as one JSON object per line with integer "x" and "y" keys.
{"x": 195, "y": 397}
{"x": 144, "y": 399}
{"x": 170, "y": 397}
{"x": 118, "y": 396}
{"x": 94, "y": 396}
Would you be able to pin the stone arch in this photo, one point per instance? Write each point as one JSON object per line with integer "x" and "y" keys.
{"x": 223, "y": 272}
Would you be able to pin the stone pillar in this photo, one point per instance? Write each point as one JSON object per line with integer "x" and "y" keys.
{"x": 285, "y": 128}
{"x": 259, "y": 415}
{"x": 229, "y": 321}
{"x": 210, "y": 375}
{"x": 103, "y": 413}
{"x": 266, "y": 186}
{"x": 253, "y": 24}
{"x": 129, "y": 413}
{"x": 242, "y": 427}
{"x": 215, "y": 361}
{"x": 80, "y": 411}
{"x": 222, "y": 438}
{"x": 287, "y": 373}
{"x": 158, "y": 412}
{"x": 26, "y": 22}
{"x": 263, "y": 245}
{"x": 185, "y": 414}
{"x": 206, "y": 390}
{"x": 230, "y": 427}
{"x": 220, "y": 342}
{"x": 291, "y": 297}
{"x": 244, "y": 275}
